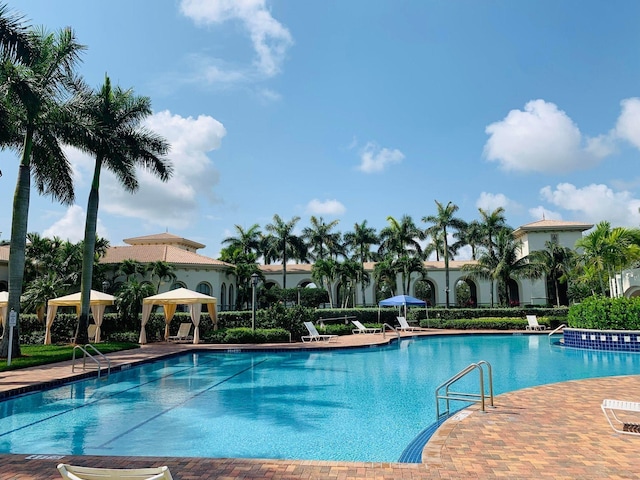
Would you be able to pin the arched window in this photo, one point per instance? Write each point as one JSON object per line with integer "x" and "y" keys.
{"x": 231, "y": 298}
{"x": 223, "y": 296}
{"x": 204, "y": 288}
{"x": 177, "y": 285}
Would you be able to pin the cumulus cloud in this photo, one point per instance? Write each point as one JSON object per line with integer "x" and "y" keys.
{"x": 270, "y": 39}
{"x": 174, "y": 203}
{"x": 376, "y": 159}
{"x": 628, "y": 124}
{"x": 491, "y": 201}
{"x": 594, "y": 203}
{"x": 540, "y": 212}
{"x": 71, "y": 226}
{"x": 542, "y": 138}
{"x": 327, "y": 207}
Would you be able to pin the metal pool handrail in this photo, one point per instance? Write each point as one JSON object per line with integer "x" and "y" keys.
{"x": 463, "y": 396}
{"x": 384, "y": 330}
{"x": 86, "y": 354}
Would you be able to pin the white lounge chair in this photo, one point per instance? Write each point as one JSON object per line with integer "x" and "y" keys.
{"x": 183, "y": 333}
{"x": 315, "y": 335}
{"x": 360, "y": 328}
{"x": 627, "y": 418}
{"x": 72, "y": 472}
{"x": 405, "y": 327}
{"x": 533, "y": 323}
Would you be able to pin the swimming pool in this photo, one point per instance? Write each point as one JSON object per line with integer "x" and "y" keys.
{"x": 362, "y": 404}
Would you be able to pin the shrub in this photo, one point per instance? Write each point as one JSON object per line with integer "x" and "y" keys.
{"x": 604, "y": 313}
{"x": 246, "y": 335}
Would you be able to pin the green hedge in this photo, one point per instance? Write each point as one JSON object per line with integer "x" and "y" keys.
{"x": 604, "y": 313}
{"x": 246, "y": 335}
{"x": 481, "y": 323}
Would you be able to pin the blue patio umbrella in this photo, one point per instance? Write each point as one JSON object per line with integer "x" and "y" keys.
{"x": 402, "y": 300}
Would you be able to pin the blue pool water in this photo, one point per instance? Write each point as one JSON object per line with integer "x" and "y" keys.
{"x": 357, "y": 405}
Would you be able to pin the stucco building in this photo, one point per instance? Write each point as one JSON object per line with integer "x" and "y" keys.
{"x": 213, "y": 277}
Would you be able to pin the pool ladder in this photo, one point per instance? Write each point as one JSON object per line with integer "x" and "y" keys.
{"x": 481, "y": 398}
{"x": 86, "y": 354}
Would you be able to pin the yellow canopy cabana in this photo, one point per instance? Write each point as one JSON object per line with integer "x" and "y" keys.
{"x": 4, "y": 306}
{"x": 98, "y": 303}
{"x": 170, "y": 301}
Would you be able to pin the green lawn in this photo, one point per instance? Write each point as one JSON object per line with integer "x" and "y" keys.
{"x": 34, "y": 355}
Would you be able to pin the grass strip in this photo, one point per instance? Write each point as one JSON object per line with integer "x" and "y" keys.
{"x": 35, "y": 355}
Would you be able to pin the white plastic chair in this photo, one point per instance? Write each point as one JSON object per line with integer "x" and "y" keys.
{"x": 405, "y": 327}
{"x": 72, "y": 472}
{"x": 623, "y": 416}
{"x": 183, "y": 332}
{"x": 315, "y": 335}
{"x": 533, "y": 323}
{"x": 360, "y": 328}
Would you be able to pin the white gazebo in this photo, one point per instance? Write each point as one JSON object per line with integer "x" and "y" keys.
{"x": 98, "y": 303}
{"x": 170, "y": 301}
{"x": 4, "y": 306}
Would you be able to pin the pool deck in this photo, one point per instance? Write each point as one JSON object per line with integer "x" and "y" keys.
{"x": 554, "y": 431}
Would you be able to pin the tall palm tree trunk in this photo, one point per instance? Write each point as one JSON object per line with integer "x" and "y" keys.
{"x": 18, "y": 245}
{"x": 88, "y": 254}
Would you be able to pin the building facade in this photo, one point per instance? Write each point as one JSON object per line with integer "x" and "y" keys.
{"x": 213, "y": 277}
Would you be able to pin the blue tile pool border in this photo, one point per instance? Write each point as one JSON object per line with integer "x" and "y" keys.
{"x": 610, "y": 340}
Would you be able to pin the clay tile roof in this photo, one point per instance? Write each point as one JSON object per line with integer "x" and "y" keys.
{"x": 163, "y": 239}
{"x": 291, "y": 268}
{"x": 154, "y": 253}
{"x": 551, "y": 225}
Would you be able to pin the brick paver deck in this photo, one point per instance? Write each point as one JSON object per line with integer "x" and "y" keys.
{"x": 553, "y": 431}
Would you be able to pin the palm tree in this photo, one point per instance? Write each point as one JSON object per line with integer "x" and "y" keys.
{"x": 130, "y": 269}
{"x": 14, "y": 35}
{"x": 360, "y": 242}
{"x": 385, "y": 274}
{"x": 120, "y": 143}
{"x": 401, "y": 237}
{"x": 443, "y": 220}
{"x": 472, "y": 235}
{"x": 325, "y": 269}
{"x": 130, "y": 296}
{"x": 408, "y": 265}
{"x": 163, "y": 270}
{"x": 286, "y": 245}
{"x": 491, "y": 223}
{"x": 556, "y": 261}
{"x": 247, "y": 241}
{"x": 320, "y": 237}
{"x": 41, "y": 290}
{"x": 608, "y": 250}
{"x": 505, "y": 264}
{"x": 347, "y": 273}
{"x": 42, "y": 118}
{"x": 14, "y": 45}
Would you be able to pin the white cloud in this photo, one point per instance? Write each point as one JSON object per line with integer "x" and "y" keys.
{"x": 540, "y": 212}
{"x": 628, "y": 124}
{"x": 491, "y": 201}
{"x": 270, "y": 38}
{"x": 174, "y": 203}
{"x": 595, "y": 203}
{"x": 376, "y": 159}
{"x": 542, "y": 139}
{"x": 328, "y": 207}
{"x": 71, "y": 226}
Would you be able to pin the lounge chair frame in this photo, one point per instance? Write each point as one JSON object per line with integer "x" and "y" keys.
{"x": 314, "y": 335}
{"x": 183, "y": 333}
{"x": 533, "y": 324}
{"x": 619, "y": 414}
{"x": 360, "y": 328}
{"x": 73, "y": 472}
{"x": 405, "y": 327}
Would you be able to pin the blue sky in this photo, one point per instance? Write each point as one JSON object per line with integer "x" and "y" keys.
{"x": 357, "y": 110}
